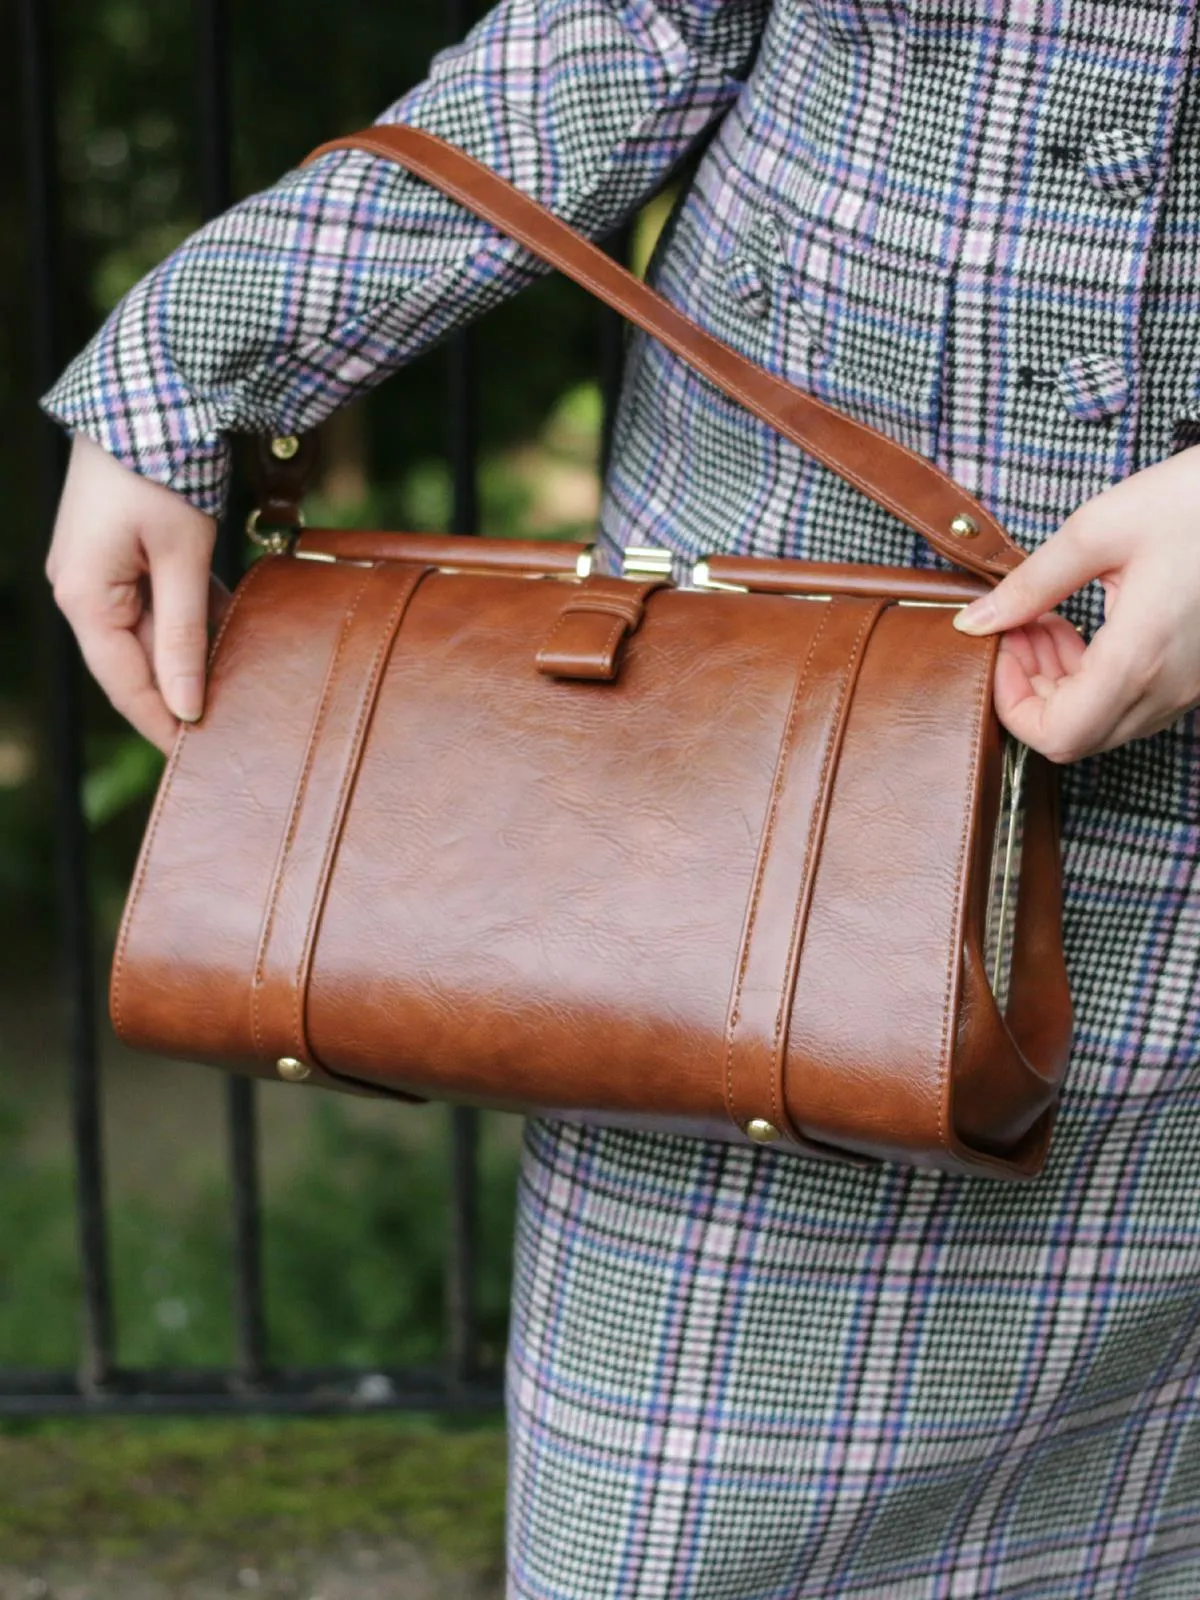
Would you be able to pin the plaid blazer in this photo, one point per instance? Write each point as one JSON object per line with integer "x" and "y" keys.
{"x": 976, "y": 225}
{"x": 973, "y": 226}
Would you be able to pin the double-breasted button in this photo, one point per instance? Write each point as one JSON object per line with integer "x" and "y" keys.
{"x": 747, "y": 285}
{"x": 1094, "y": 385}
{"x": 1119, "y": 162}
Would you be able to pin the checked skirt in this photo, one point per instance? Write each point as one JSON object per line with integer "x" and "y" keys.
{"x": 737, "y": 1375}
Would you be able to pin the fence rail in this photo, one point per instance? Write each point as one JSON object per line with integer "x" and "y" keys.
{"x": 252, "y": 1383}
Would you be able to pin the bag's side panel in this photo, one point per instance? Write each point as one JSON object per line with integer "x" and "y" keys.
{"x": 1008, "y": 1071}
{"x": 541, "y": 885}
{"x": 875, "y": 1010}
{"x": 185, "y": 962}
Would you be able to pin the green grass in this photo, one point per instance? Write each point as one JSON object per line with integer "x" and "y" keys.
{"x": 181, "y": 1495}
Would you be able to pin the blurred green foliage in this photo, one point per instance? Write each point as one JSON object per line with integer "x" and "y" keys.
{"x": 130, "y": 124}
{"x": 354, "y": 1236}
{"x": 355, "y": 1242}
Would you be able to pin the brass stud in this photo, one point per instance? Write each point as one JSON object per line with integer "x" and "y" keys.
{"x": 285, "y": 447}
{"x": 291, "y": 1070}
{"x": 964, "y": 527}
{"x": 762, "y": 1131}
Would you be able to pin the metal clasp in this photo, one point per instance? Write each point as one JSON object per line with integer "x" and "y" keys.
{"x": 1006, "y": 853}
{"x": 279, "y": 540}
{"x": 702, "y": 578}
{"x": 647, "y": 561}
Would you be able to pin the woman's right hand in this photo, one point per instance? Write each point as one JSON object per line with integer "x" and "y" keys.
{"x": 130, "y": 562}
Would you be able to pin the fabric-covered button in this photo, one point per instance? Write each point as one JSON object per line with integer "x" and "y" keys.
{"x": 745, "y": 282}
{"x": 1119, "y": 161}
{"x": 1094, "y": 385}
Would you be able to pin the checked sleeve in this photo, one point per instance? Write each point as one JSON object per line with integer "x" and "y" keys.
{"x": 304, "y": 295}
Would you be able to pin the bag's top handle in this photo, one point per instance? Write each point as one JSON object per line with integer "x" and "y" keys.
{"x": 908, "y": 485}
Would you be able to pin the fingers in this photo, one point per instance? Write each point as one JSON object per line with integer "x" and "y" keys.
{"x": 1142, "y": 669}
{"x": 1144, "y": 718}
{"x": 219, "y": 601}
{"x": 122, "y": 669}
{"x": 1080, "y": 709}
{"x": 117, "y": 535}
{"x": 1068, "y": 559}
{"x": 179, "y": 584}
{"x": 1047, "y": 648}
{"x": 98, "y": 591}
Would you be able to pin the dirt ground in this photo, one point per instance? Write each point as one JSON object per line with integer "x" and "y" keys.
{"x": 391, "y": 1571}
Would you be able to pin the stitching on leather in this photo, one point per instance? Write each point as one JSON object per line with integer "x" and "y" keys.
{"x": 368, "y": 701}
{"x": 135, "y": 893}
{"x": 289, "y": 838}
{"x": 619, "y": 296}
{"x": 614, "y": 638}
{"x": 833, "y": 742}
{"x": 545, "y": 656}
{"x": 627, "y": 606}
{"x": 735, "y": 1014}
{"x": 985, "y": 684}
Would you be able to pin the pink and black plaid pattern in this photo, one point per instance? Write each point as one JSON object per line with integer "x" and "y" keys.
{"x": 734, "y": 1375}
{"x": 300, "y": 298}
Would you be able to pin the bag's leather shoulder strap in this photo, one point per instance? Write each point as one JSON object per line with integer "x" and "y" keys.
{"x": 908, "y": 485}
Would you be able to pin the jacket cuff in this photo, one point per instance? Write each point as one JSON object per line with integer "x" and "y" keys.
{"x": 143, "y": 417}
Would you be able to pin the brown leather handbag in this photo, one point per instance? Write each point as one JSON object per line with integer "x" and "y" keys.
{"x": 746, "y": 857}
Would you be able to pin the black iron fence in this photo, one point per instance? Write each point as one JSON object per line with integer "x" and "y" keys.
{"x": 253, "y": 1382}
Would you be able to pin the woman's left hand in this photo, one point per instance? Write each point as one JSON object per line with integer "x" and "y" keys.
{"x": 1141, "y": 670}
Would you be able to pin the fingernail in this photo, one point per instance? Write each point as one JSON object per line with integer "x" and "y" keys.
{"x": 187, "y": 697}
{"x": 978, "y": 617}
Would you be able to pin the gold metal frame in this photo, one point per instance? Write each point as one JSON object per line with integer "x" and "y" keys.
{"x": 1004, "y": 885}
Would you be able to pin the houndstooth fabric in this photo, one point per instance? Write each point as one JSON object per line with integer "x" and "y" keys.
{"x": 735, "y": 1375}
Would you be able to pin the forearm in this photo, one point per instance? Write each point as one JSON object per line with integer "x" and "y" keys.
{"x": 304, "y": 295}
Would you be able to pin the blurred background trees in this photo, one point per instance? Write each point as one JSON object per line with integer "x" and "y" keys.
{"x": 354, "y": 1193}
{"x": 129, "y": 103}
{"x": 353, "y": 1257}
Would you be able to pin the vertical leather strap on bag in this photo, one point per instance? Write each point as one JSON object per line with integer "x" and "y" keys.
{"x": 761, "y": 1004}
{"x": 338, "y": 737}
{"x": 896, "y": 478}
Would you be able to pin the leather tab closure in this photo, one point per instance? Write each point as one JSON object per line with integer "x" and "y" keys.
{"x": 592, "y": 627}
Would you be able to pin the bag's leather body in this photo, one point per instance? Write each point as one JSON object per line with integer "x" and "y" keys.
{"x": 459, "y": 822}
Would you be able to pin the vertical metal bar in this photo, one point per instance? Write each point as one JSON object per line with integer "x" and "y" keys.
{"x": 241, "y": 1105}
{"x": 74, "y": 896}
{"x": 462, "y": 1243}
{"x": 250, "y": 1324}
{"x": 215, "y": 144}
{"x": 212, "y": 62}
{"x": 464, "y": 432}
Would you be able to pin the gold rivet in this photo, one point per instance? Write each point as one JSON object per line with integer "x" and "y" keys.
{"x": 762, "y": 1131}
{"x": 292, "y": 1070}
{"x": 285, "y": 447}
{"x": 963, "y": 526}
